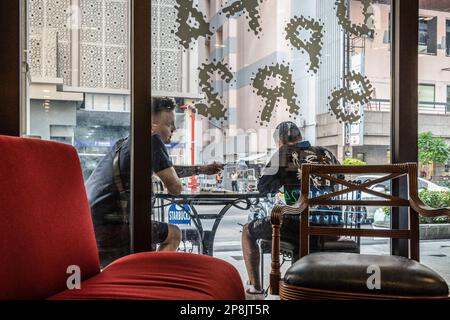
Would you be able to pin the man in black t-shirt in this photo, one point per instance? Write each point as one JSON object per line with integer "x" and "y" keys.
{"x": 109, "y": 185}
{"x": 284, "y": 171}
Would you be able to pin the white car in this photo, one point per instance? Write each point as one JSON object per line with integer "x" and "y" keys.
{"x": 376, "y": 213}
{"x": 423, "y": 183}
{"x": 430, "y": 186}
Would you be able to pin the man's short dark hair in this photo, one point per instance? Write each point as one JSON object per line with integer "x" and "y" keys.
{"x": 162, "y": 104}
{"x": 287, "y": 132}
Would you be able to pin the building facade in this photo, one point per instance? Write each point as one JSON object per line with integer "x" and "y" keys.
{"x": 434, "y": 84}
{"x": 79, "y": 75}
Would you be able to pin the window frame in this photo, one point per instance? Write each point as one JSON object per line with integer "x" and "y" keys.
{"x": 11, "y": 13}
{"x": 447, "y": 37}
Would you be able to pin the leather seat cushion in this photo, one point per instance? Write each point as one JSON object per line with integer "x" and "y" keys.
{"x": 348, "y": 272}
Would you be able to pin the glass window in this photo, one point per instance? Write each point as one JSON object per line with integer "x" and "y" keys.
{"x": 242, "y": 69}
{"x": 434, "y": 134}
{"x": 78, "y": 92}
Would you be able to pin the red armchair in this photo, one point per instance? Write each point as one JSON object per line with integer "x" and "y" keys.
{"x": 46, "y": 226}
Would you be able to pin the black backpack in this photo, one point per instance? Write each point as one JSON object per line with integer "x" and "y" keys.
{"x": 121, "y": 187}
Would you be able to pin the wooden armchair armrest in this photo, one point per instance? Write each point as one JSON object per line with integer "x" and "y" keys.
{"x": 414, "y": 201}
{"x": 426, "y": 211}
{"x": 276, "y": 219}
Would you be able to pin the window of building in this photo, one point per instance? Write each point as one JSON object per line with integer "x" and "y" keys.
{"x": 447, "y": 107}
{"x": 387, "y": 33}
{"x": 447, "y": 37}
{"x": 427, "y": 35}
{"x": 427, "y": 96}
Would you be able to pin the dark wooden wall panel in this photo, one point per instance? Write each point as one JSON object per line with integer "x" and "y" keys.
{"x": 10, "y": 67}
{"x": 141, "y": 133}
{"x": 404, "y": 133}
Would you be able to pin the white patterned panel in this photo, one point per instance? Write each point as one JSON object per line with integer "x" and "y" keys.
{"x": 58, "y": 17}
{"x": 50, "y": 22}
{"x": 35, "y": 55}
{"x": 154, "y": 44}
{"x": 166, "y": 55}
{"x": 64, "y": 62}
{"x": 36, "y": 16}
{"x": 155, "y": 70}
{"x": 91, "y": 12}
{"x": 168, "y": 21}
{"x": 167, "y": 2}
{"x": 49, "y": 37}
{"x": 116, "y": 23}
{"x": 170, "y": 70}
{"x": 91, "y": 69}
{"x": 116, "y": 68}
{"x": 155, "y": 30}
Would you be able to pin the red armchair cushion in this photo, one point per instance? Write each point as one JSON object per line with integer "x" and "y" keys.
{"x": 45, "y": 220}
{"x": 162, "y": 275}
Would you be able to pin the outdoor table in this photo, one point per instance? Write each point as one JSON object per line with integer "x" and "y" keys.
{"x": 241, "y": 201}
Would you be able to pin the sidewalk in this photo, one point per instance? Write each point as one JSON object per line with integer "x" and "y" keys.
{"x": 434, "y": 254}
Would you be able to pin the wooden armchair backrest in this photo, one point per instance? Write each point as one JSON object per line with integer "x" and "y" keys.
{"x": 388, "y": 172}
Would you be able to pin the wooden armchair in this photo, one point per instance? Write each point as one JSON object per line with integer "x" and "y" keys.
{"x": 330, "y": 275}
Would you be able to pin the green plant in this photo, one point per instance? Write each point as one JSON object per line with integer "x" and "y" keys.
{"x": 435, "y": 199}
{"x": 432, "y": 149}
{"x": 353, "y": 162}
